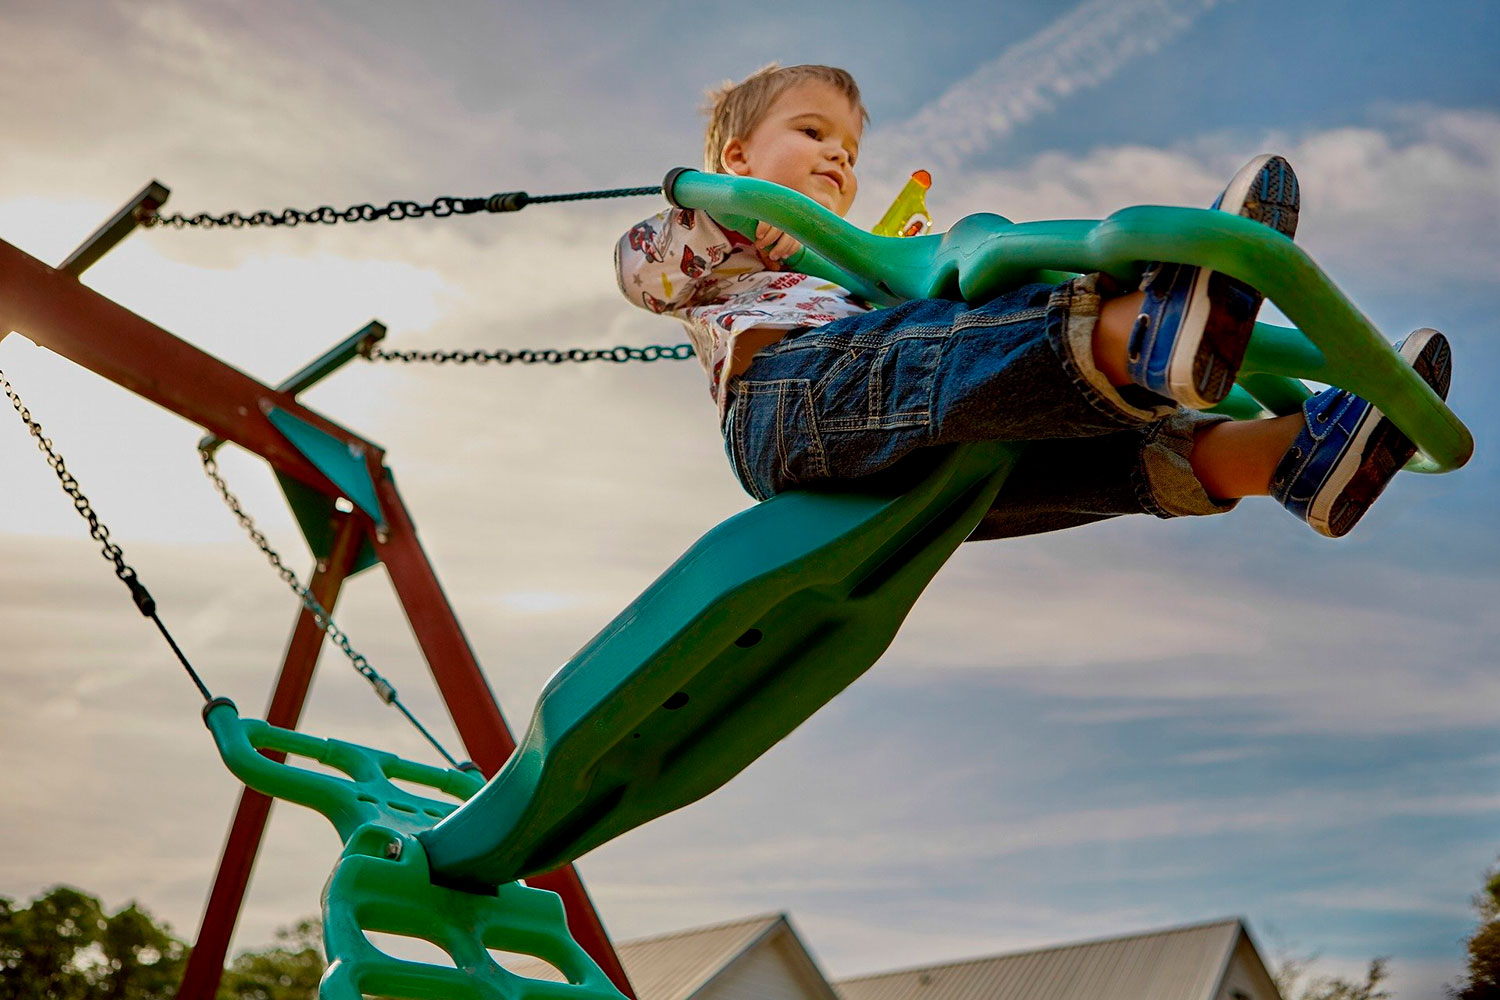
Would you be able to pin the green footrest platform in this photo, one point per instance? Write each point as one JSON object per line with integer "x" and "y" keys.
{"x": 382, "y": 885}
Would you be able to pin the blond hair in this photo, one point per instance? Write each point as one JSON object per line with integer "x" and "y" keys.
{"x": 735, "y": 109}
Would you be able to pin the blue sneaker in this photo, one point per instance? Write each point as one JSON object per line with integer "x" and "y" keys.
{"x": 1195, "y": 324}
{"x": 1349, "y": 451}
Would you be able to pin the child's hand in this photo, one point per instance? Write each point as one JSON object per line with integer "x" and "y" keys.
{"x": 774, "y": 246}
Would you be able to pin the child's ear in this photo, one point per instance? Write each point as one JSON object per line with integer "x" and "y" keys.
{"x": 733, "y": 158}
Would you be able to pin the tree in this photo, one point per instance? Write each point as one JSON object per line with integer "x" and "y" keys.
{"x": 63, "y": 946}
{"x": 289, "y": 971}
{"x": 1338, "y": 988}
{"x": 1484, "y": 946}
{"x": 1291, "y": 970}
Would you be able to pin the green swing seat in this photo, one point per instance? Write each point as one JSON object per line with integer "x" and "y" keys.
{"x": 769, "y": 615}
{"x": 756, "y": 627}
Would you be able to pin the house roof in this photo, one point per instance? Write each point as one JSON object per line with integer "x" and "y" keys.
{"x": 1179, "y": 963}
{"x": 675, "y": 966}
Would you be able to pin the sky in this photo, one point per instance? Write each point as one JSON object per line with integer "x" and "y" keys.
{"x": 1120, "y": 727}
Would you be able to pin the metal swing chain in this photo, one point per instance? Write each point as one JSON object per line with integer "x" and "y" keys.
{"x": 550, "y": 356}
{"x": 383, "y": 688}
{"x": 144, "y": 602}
{"x": 439, "y": 208}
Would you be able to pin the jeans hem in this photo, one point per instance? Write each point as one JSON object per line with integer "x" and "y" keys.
{"x": 1164, "y": 482}
{"x": 1074, "y": 310}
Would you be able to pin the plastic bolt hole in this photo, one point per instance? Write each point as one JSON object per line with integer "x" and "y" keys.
{"x": 676, "y": 701}
{"x": 401, "y": 807}
{"x": 750, "y": 638}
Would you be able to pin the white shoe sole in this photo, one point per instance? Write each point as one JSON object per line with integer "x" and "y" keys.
{"x": 1320, "y": 513}
{"x": 1181, "y": 382}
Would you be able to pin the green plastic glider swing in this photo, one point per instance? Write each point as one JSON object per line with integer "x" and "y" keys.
{"x": 765, "y": 619}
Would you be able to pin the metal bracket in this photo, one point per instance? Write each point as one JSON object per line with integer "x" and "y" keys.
{"x": 356, "y": 344}
{"x": 104, "y": 239}
{"x": 343, "y": 463}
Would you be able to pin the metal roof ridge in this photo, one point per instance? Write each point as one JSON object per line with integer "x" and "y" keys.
{"x": 768, "y": 918}
{"x": 931, "y": 967}
{"x": 1225, "y": 964}
{"x": 748, "y": 947}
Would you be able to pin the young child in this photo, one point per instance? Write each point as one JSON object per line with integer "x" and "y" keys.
{"x": 1107, "y": 383}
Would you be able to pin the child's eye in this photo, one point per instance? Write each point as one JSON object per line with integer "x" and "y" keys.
{"x": 810, "y": 132}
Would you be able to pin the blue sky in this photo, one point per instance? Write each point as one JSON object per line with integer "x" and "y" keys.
{"x": 1125, "y": 726}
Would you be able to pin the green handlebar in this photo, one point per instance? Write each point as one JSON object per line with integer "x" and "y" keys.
{"x": 366, "y": 795}
{"x": 984, "y": 255}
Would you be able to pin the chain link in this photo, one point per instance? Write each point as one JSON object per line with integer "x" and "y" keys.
{"x": 438, "y": 208}
{"x": 383, "y": 688}
{"x": 109, "y": 550}
{"x": 548, "y": 356}
{"x": 144, "y": 602}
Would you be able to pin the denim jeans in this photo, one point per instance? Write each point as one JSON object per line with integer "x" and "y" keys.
{"x": 855, "y": 396}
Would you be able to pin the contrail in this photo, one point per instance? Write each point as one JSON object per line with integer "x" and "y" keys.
{"x": 1086, "y": 47}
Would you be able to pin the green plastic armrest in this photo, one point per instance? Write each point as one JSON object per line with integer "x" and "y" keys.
{"x": 984, "y": 255}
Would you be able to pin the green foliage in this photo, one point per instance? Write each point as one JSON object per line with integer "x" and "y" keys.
{"x": 288, "y": 971}
{"x": 1484, "y": 946}
{"x": 63, "y": 946}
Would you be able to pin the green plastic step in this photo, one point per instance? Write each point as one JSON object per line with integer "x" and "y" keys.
{"x": 381, "y": 883}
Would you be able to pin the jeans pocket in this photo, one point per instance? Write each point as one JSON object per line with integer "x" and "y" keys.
{"x": 882, "y": 384}
{"x": 776, "y": 442}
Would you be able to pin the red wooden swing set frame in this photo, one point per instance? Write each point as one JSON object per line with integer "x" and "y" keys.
{"x": 51, "y": 308}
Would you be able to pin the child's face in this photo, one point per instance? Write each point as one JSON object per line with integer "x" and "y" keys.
{"x": 807, "y": 141}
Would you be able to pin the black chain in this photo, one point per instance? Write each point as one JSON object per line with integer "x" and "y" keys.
{"x": 109, "y": 550}
{"x": 147, "y": 605}
{"x": 548, "y": 356}
{"x": 439, "y": 208}
{"x": 383, "y": 688}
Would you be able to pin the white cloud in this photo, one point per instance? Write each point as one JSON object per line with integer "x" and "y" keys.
{"x": 1404, "y": 204}
{"x": 1075, "y": 53}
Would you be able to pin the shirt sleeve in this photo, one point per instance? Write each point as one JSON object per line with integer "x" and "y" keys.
{"x": 665, "y": 264}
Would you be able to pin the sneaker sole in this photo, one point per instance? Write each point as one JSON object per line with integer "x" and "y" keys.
{"x": 1268, "y": 194}
{"x": 1378, "y": 450}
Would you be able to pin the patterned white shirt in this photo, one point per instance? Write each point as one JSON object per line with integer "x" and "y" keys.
{"x": 681, "y": 262}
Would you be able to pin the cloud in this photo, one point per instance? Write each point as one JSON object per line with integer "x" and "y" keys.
{"x": 1075, "y": 53}
{"x": 1400, "y": 205}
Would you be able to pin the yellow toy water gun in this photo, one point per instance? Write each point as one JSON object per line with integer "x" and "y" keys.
{"x": 907, "y": 215}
